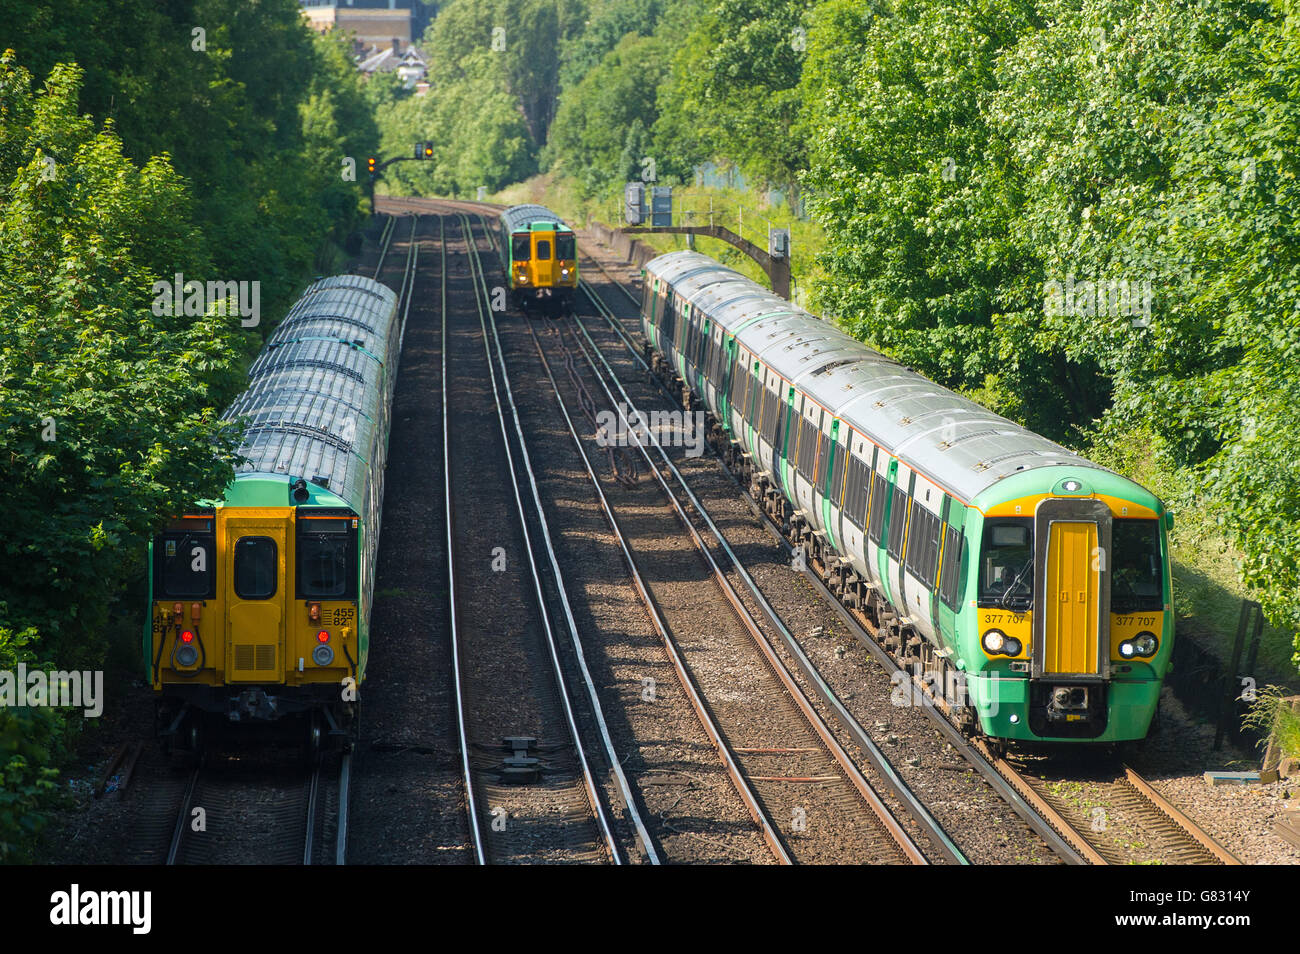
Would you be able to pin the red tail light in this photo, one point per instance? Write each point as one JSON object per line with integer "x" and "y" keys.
{"x": 187, "y": 637}
{"x": 322, "y": 637}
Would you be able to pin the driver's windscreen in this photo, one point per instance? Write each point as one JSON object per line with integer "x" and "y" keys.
{"x": 1137, "y": 571}
{"x": 1007, "y": 562}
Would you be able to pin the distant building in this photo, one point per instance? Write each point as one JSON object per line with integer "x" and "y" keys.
{"x": 409, "y": 66}
{"x": 373, "y": 22}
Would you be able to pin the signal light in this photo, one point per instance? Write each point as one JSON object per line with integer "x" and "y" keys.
{"x": 428, "y": 150}
{"x": 370, "y": 164}
{"x": 323, "y": 637}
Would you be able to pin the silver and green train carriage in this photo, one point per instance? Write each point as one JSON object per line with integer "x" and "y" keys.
{"x": 260, "y": 601}
{"x": 1031, "y": 586}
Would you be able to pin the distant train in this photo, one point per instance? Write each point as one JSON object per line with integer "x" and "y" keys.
{"x": 1029, "y": 585}
{"x": 540, "y": 258}
{"x": 260, "y": 601}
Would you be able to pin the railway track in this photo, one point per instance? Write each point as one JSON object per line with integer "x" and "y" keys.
{"x": 1111, "y": 815}
{"x": 763, "y": 774}
{"x": 1168, "y": 833}
{"x": 531, "y": 790}
{"x": 248, "y": 811}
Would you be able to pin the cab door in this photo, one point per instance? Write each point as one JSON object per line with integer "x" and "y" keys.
{"x": 1072, "y": 595}
{"x": 256, "y": 557}
{"x": 544, "y": 258}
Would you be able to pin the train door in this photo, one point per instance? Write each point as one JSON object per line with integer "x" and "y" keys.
{"x": 256, "y": 557}
{"x": 544, "y": 258}
{"x": 1072, "y": 599}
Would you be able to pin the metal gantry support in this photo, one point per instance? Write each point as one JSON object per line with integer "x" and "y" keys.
{"x": 775, "y": 261}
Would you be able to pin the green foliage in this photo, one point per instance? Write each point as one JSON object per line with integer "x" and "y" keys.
{"x": 735, "y": 87}
{"x": 126, "y": 156}
{"x": 1271, "y": 715}
{"x": 976, "y": 159}
{"x": 602, "y": 131}
{"x": 27, "y": 783}
{"x": 108, "y": 413}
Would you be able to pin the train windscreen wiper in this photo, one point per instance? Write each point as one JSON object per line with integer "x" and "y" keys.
{"x": 1006, "y": 600}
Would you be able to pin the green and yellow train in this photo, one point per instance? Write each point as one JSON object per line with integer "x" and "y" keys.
{"x": 260, "y": 602}
{"x": 540, "y": 259}
{"x": 1029, "y": 585}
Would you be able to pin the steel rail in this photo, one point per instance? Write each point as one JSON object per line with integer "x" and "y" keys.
{"x": 313, "y": 792}
{"x": 1170, "y": 811}
{"x": 182, "y": 817}
{"x": 385, "y": 239}
{"x": 345, "y": 800}
{"x": 482, "y": 296}
{"x": 462, "y": 730}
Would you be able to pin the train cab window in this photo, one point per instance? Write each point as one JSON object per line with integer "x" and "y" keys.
{"x": 565, "y": 247}
{"x": 1007, "y": 563}
{"x": 950, "y": 573}
{"x": 326, "y": 557}
{"x": 256, "y": 568}
{"x": 520, "y": 249}
{"x": 543, "y": 250}
{"x": 1137, "y": 574}
{"x": 185, "y": 565}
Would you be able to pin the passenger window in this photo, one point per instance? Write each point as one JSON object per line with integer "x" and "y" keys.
{"x": 255, "y": 568}
{"x": 950, "y": 575}
{"x": 897, "y": 522}
{"x": 879, "y": 487}
{"x": 923, "y": 544}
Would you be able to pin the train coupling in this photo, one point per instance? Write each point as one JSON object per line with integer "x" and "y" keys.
{"x": 253, "y": 705}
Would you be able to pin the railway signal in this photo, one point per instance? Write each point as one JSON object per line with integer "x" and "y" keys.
{"x": 424, "y": 150}
{"x": 370, "y": 165}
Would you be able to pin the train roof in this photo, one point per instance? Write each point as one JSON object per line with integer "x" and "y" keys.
{"x": 315, "y": 393}
{"x": 960, "y": 444}
{"x": 531, "y": 217}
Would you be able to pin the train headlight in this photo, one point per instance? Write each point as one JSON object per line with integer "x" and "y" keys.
{"x": 995, "y": 642}
{"x": 523, "y": 278}
{"x": 564, "y": 273}
{"x": 1145, "y": 644}
{"x": 1126, "y": 649}
{"x": 322, "y": 655}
